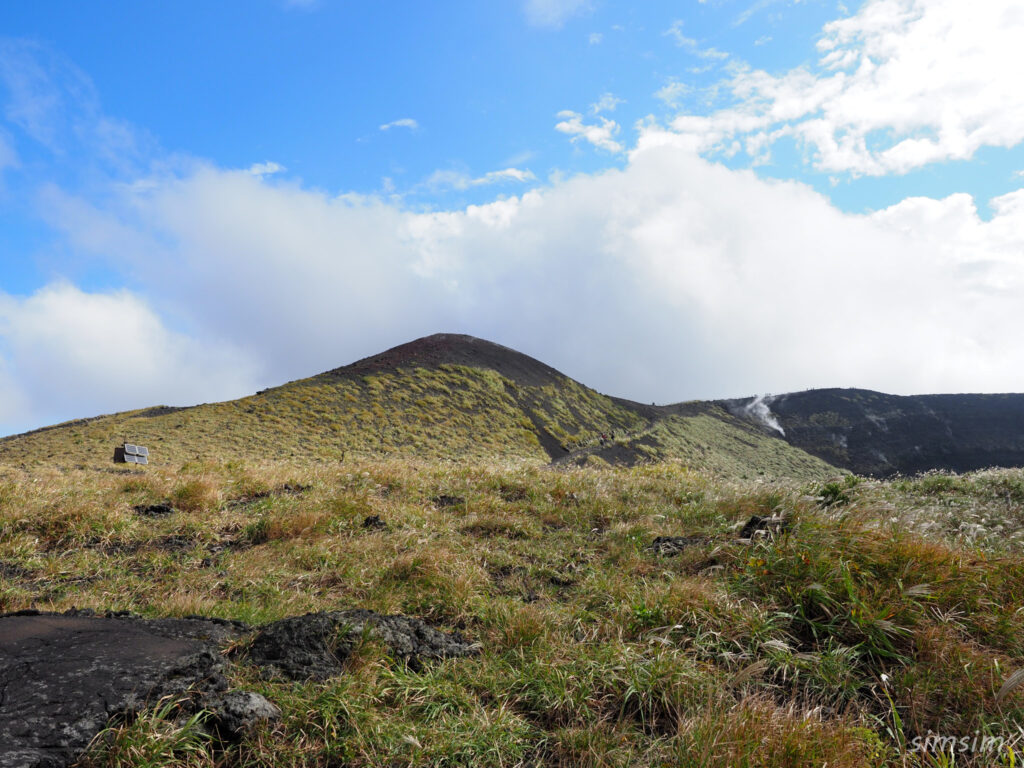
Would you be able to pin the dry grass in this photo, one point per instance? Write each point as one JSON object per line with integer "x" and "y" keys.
{"x": 870, "y": 620}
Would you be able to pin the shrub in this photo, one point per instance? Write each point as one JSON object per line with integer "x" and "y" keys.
{"x": 195, "y": 496}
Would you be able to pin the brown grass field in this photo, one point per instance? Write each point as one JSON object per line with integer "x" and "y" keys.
{"x": 881, "y": 613}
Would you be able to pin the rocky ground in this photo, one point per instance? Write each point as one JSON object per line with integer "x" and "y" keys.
{"x": 63, "y": 677}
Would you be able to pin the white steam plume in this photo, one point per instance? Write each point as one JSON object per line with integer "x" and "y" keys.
{"x": 758, "y": 408}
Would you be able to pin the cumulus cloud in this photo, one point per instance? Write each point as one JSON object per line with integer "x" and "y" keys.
{"x": 553, "y": 13}
{"x": 669, "y": 278}
{"x": 984, "y": 255}
{"x": 899, "y": 84}
{"x": 404, "y": 122}
{"x": 68, "y": 353}
{"x": 600, "y": 135}
{"x": 292, "y": 276}
{"x": 674, "y": 277}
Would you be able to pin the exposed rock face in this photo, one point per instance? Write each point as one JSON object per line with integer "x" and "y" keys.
{"x": 62, "y": 677}
{"x": 872, "y": 433}
{"x": 235, "y": 712}
{"x": 316, "y": 645}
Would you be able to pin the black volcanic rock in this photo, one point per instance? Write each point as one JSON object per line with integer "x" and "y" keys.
{"x": 315, "y": 646}
{"x": 154, "y": 510}
{"x": 445, "y": 500}
{"x": 673, "y": 545}
{"x": 63, "y": 676}
{"x": 881, "y": 435}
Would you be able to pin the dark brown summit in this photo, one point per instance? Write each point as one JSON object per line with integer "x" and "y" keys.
{"x": 456, "y": 349}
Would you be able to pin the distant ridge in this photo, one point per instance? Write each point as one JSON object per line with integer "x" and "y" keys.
{"x": 444, "y": 396}
{"x": 873, "y": 433}
{"x": 454, "y": 396}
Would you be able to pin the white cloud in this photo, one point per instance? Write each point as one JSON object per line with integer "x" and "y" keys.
{"x": 553, "y": 13}
{"x": 754, "y": 8}
{"x": 984, "y": 255}
{"x": 671, "y": 278}
{"x": 606, "y": 103}
{"x": 8, "y": 155}
{"x": 712, "y": 53}
{"x": 900, "y": 84}
{"x": 404, "y": 122}
{"x": 55, "y": 104}
{"x": 460, "y": 180}
{"x": 70, "y": 354}
{"x": 295, "y": 278}
{"x": 519, "y": 158}
{"x": 266, "y": 169}
{"x": 595, "y": 38}
{"x": 601, "y": 136}
{"x": 675, "y": 31}
{"x": 672, "y": 92}
{"x": 506, "y": 174}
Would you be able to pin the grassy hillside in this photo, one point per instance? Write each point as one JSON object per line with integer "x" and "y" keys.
{"x": 708, "y": 437}
{"x": 881, "y": 613}
{"x": 453, "y": 411}
{"x": 440, "y": 397}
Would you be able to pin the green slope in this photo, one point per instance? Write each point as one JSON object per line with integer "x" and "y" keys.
{"x": 443, "y": 397}
{"x": 708, "y": 437}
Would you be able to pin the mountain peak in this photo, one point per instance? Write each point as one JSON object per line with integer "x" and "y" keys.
{"x": 456, "y": 349}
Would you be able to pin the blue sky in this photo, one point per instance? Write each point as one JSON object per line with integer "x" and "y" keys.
{"x": 666, "y": 200}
